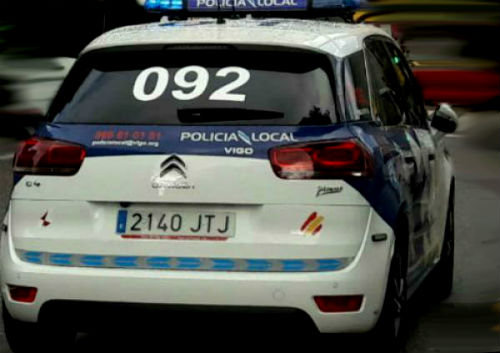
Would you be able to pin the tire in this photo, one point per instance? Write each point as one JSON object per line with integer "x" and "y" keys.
{"x": 442, "y": 276}
{"x": 389, "y": 334}
{"x": 31, "y": 337}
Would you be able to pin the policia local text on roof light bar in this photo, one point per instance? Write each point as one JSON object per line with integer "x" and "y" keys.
{"x": 247, "y": 6}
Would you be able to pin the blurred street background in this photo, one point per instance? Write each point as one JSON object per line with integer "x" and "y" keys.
{"x": 453, "y": 47}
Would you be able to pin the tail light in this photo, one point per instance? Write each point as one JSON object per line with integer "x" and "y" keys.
{"x": 321, "y": 160}
{"x": 48, "y": 157}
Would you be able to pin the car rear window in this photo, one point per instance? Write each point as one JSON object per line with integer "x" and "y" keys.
{"x": 197, "y": 86}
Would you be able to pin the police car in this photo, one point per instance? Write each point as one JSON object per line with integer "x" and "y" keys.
{"x": 272, "y": 164}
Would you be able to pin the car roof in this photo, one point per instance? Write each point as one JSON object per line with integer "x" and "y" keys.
{"x": 338, "y": 39}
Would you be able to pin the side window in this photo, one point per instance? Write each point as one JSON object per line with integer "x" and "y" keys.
{"x": 411, "y": 94}
{"x": 357, "y": 93}
{"x": 385, "y": 84}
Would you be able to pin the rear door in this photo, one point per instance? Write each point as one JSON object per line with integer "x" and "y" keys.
{"x": 395, "y": 107}
{"x": 417, "y": 123}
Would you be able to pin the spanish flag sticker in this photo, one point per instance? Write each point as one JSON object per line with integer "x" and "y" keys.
{"x": 313, "y": 224}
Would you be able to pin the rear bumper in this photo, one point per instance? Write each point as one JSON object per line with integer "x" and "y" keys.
{"x": 366, "y": 275}
{"x": 157, "y": 318}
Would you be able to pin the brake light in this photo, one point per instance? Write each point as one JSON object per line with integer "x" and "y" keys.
{"x": 321, "y": 160}
{"x": 48, "y": 157}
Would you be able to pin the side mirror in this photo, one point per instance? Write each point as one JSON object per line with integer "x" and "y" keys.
{"x": 444, "y": 119}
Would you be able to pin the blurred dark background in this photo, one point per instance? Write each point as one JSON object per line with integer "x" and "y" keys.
{"x": 39, "y": 40}
{"x": 451, "y": 45}
{"x": 62, "y": 27}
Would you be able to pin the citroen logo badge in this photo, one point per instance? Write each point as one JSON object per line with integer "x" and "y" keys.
{"x": 171, "y": 164}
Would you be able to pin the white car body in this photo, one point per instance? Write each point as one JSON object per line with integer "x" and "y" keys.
{"x": 80, "y": 210}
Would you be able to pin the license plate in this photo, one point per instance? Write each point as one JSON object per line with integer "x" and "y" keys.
{"x": 180, "y": 224}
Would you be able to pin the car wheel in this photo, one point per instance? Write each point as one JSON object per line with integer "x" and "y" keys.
{"x": 389, "y": 333}
{"x": 442, "y": 277}
{"x": 30, "y": 337}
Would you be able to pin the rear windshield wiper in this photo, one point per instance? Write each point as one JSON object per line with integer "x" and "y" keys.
{"x": 206, "y": 115}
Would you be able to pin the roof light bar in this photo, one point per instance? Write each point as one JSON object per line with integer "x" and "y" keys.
{"x": 213, "y": 7}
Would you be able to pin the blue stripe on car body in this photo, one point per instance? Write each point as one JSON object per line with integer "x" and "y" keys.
{"x": 185, "y": 263}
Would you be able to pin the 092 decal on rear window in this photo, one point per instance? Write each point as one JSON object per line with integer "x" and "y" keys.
{"x": 190, "y": 88}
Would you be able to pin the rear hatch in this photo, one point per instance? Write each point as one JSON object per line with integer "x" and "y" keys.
{"x": 160, "y": 153}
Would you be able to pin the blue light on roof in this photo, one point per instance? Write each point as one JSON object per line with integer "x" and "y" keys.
{"x": 163, "y": 5}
